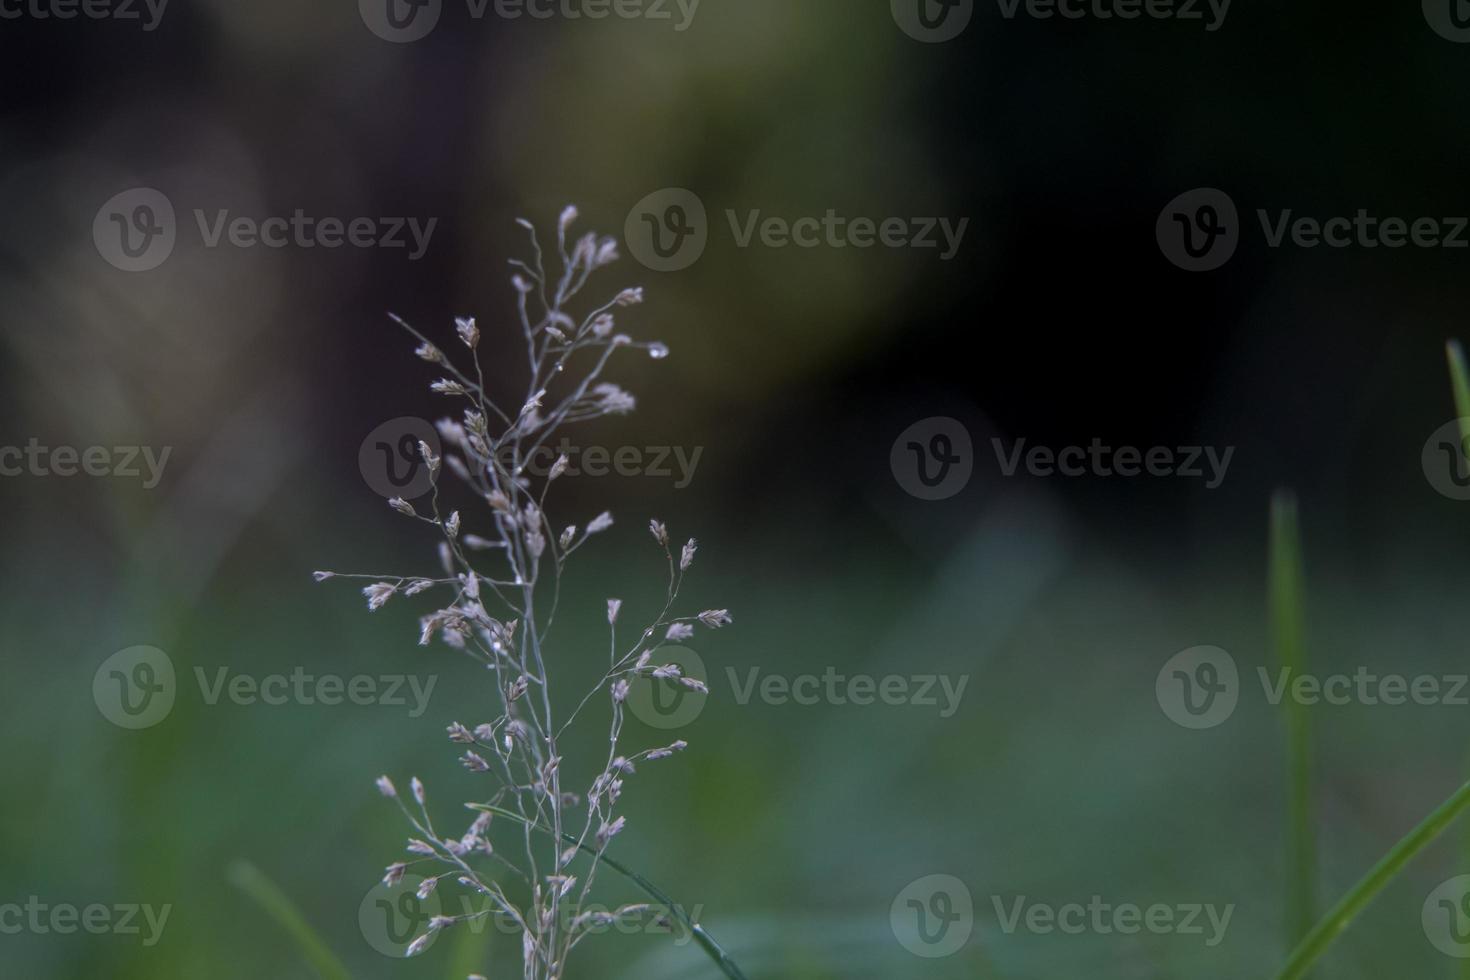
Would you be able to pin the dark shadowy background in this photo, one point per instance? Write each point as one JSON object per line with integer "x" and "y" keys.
{"x": 1058, "y": 322}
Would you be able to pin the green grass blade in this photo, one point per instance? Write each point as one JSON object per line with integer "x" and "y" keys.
{"x": 250, "y": 880}
{"x": 1343, "y": 913}
{"x": 706, "y": 942}
{"x": 1460, "y": 382}
{"x": 1460, "y": 385}
{"x": 1286, "y": 635}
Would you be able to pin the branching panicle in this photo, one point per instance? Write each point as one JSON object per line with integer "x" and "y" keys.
{"x": 501, "y": 605}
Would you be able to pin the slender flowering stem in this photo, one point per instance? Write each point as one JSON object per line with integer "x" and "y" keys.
{"x": 503, "y": 620}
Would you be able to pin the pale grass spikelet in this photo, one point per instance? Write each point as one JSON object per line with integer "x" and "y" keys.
{"x": 497, "y": 594}
{"x": 379, "y": 593}
{"x": 610, "y": 830}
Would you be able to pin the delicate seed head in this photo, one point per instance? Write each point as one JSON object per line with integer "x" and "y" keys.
{"x": 379, "y": 593}
{"x": 715, "y": 618}
{"x": 468, "y": 331}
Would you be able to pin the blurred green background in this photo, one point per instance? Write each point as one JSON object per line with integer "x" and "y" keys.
{"x": 793, "y": 827}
